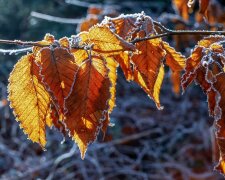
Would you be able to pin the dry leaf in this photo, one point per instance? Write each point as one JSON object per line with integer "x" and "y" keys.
{"x": 58, "y": 70}
{"x": 181, "y": 6}
{"x": 105, "y": 41}
{"x": 29, "y": 99}
{"x": 124, "y": 61}
{"x": 206, "y": 67}
{"x": 88, "y": 102}
{"x": 148, "y": 71}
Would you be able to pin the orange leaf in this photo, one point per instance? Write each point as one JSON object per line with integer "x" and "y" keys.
{"x": 220, "y": 119}
{"x": 58, "y": 70}
{"x": 206, "y": 67}
{"x": 105, "y": 125}
{"x": 176, "y": 62}
{"x": 149, "y": 71}
{"x": 194, "y": 61}
{"x": 95, "y": 10}
{"x": 203, "y": 4}
{"x": 88, "y": 102}
{"x": 53, "y": 119}
{"x": 174, "y": 59}
{"x": 181, "y": 6}
{"x": 127, "y": 26}
{"x": 87, "y": 23}
{"x": 124, "y": 61}
{"x": 123, "y": 25}
{"x": 175, "y": 79}
{"x": 191, "y": 66}
{"x": 48, "y": 40}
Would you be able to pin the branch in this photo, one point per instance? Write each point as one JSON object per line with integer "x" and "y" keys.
{"x": 81, "y": 4}
{"x": 168, "y": 32}
{"x": 22, "y": 43}
{"x": 55, "y": 19}
{"x": 15, "y": 51}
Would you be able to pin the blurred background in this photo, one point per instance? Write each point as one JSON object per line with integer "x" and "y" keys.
{"x": 174, "y": 143}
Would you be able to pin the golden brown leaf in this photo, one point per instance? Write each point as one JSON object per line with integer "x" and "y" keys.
{"x": 105, "y": 125}
{"x": 124, "y": 61}
{"x": 220, "y": 119}
{"x": 88, "y": 102}
{"x": 191, "y": 66}
{"x": 213, "y": 12}
{"x": 53, "y": 119}
{"x": 123, "y": 25}
{"x": 95, "y": 10}
{"x": 194, "y": 61}
{"x": 64, "y": 42}
{"x": 105, "y": 41}
{"x": 29, "y": 99}
{"x": 203, "y": 5}
{"x": 48, "y": 40}
{"x": 112, "y": 65}
{"x": 208, "y": 41}
{"x": 175, "y": 60}
{"x": 87, "y": 23}
{"x": 206, "y": 67}
{"x": 148, "y": 71}
{"x": 127, "y": 26}
{"x": 181, "y": 6}
{"x": 80, "y": 55}
{"x": 58, "y": 70}
{"x": 157, "y": 86}
{"x": 176, "y": 79}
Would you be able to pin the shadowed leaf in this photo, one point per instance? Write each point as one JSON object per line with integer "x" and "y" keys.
{"x": 58, "y": 69}
{"x": 88, "y": 102}
{"x": 148, "y": 71}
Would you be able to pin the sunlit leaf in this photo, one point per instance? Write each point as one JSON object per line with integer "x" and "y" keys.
{"x": 29, "y": 99}
{"x": 105, "y": 41}
{"x": 124, "y": 61}
{"x": 174, "y": 59}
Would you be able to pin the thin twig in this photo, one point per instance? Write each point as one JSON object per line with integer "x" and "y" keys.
{"x": 81, "y": 3}
{"x": 166, "y": 33}
{"x": 22, "y": 43}
{"x": 15, "y": 51}
{"x": 55, "y": 19}
{"x": 179, "y": 32}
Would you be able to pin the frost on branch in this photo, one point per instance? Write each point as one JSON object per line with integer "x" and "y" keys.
{"x": 71, "y": 83}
